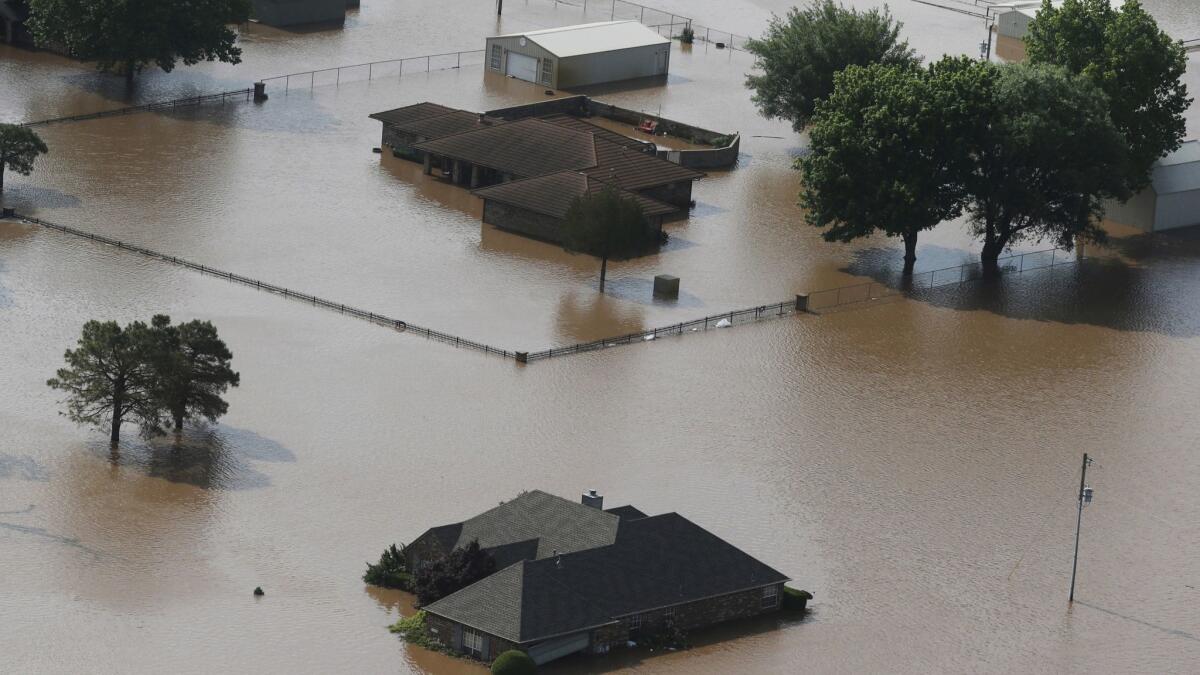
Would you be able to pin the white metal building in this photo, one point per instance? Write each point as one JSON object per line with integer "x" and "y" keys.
{"x": 1012, "y": 18}
{"x": 1173, "y": 198}
{"x": 576, "y": 56}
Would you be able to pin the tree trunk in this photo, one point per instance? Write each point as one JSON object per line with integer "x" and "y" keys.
{"x": 992, "y": 248}
{"x": 117, "y": 414}
{"x": 129, "y": 72}
{"x": 3, "y": 160}
{"x": 178, "y": 416}
{"x": 603, "y": 271}
{"x": 910, "y": 252}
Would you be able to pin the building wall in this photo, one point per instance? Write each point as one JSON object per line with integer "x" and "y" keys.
{"x": 513, "y": 44}
{"x": 1137, "y": 212}
{"x": 676, "y": 194}
{"x": 298, "y": 12}
{"x": 1178, "y": 209}
{"x": 401, "y": 143}
{"x": 423, "y": 548}
{"x": 1013, "y": 24}
{"x": 450, "y": 633}
{"x": 521, "y": 221}
{"x": 614, "y": 66}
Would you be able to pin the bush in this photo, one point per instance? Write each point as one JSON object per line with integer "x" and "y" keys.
{"x": 666, "y": 636}
{"x": 391, "y": 571}
{"x": 795, "y": 600}
{"x": 463, "y": 567}
{"x": 513, "y": 662}
{"x": 687, "y": 36}
{"x": 412, "y": 629}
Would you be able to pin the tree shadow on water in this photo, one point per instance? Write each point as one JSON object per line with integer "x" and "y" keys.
{"x": 211, "y": 458}
{"x": 1139, "y": 284}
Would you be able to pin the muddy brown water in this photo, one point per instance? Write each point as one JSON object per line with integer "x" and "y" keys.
{"x": 913, "y": 464}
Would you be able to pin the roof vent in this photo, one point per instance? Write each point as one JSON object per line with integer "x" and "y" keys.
{"x": 593, "y": 499}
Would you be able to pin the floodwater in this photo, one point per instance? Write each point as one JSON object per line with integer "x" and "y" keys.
{"x": 913, "y": 463}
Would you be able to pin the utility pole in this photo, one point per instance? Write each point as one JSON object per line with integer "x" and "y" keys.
{"x": 1084, "y": 497}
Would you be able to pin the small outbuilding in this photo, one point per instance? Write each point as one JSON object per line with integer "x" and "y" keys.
{"x": 1173, "y": 199}
{"x": 581, "y": 55}
{"x": 1012, "y": 18}
{"x": 283, "y": 13}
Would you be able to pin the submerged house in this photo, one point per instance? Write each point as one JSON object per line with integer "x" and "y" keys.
{"x": 585, "y": 54}
{"x": 574, "y": 577}
{"x": 549, "y": 160}
{"x": 284, "y": 13}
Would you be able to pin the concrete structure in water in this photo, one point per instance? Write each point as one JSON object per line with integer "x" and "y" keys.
{"x": 284, "y": 13}
{"x": 1173, "y": 199}
{"x": 577, "y": 56}
{"x": 573, "y": 577}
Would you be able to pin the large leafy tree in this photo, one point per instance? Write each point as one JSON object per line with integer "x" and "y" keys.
{"x": 800, "y": 54}
{"x": 19, "y": 146}
{"x": 128, "y": 35}
{"x": 606, "y": 224}
{"x": 108, "y": 379}
{"x": 443, "y": 576}
{"x": 1136, "y": 64}
{"x": 888, "y": 149}
{"x": 1045, "y": 162}
{"x": 191, "y": 369}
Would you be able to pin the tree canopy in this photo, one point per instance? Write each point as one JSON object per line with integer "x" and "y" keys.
{"x": 887, "y": 149}
{"x": 108, "y": 378}
{"x": 1135, "y": 63}
{"x": 1045, "y": 162}
{"x": 391, "y": 571}
{"x": 800, "y": 54}
{"x": 19, "y": 147}
{"x": 443, "y": 576}
{"x": 128, "y": 35}
{"x": 607, "y": 225}
{"x": 191, "y": 367}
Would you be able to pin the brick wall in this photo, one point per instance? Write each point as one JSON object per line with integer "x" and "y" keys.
{"x": 423, "y": 548}
{"x": 702, "y": 613}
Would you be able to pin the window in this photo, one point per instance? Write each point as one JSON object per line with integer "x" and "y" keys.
{"x": 770, "y": 597}
{"x": 473, "y": 642}
{"x": 547, "y": 71}
{"x": 635, "y": 622}
{"x": 497, "y": 52}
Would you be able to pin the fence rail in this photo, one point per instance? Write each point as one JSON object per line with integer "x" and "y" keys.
{"x": 240, "y": 94}
{"x": 341, "y": 308}
{"x": 375, "y": 70}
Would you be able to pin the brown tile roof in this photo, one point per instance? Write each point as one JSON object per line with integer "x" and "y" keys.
{"x": 453, "y": 122}
{"x": 633, "y": 170}
{"x": 527, "y": 147}
{"x": 553, "y": 194}
{"x": 580, "y": 124}
{"x": 411, "y": 113}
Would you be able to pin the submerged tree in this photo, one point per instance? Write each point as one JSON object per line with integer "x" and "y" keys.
{"x": 127, "y": 35}
{"x": 801, "y": 53}
{"x": 391, "y": 571}
{"x": 191, "y": 370}
{"x": 1045, "y": 162}
{"x": 607, "y": 225}
{"x": 443, "y": 576}
{"x": 889, "y": 150}
{"x": 108, "y": 379}
{"x": 1137, "y": 65}
{"x": 19, "y": 146}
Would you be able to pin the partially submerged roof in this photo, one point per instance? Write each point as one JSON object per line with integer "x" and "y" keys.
{"x": 527, "y": 147}
{"x": 635, "y": 170}
{"x": 533, "y": 524}
{"x": 654, "y": 562}
{"x": 590, "y": 38}
{"x": 411, "y": 113}
{"x": 1178, "y": 171}
{"x": 553, "y": 194}
{"x": 581, "y": 124}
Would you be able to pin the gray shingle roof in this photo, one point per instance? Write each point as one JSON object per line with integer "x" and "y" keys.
{"x": 655, "y": 562}
{"x": 411, "y": 113}
{"x": 553, "y": 194}
{"x": 524, "y": 148}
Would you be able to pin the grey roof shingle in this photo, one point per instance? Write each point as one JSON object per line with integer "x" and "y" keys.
{"x": 658, "y": 561}
{"x": 554, "y": 193}
{"x": 524, "y": 148}
{"x": 411, "y": 113}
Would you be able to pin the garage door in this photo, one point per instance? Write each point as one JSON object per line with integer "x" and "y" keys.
{"x": 522, "y": 67}
{"x": 556, "y": 649}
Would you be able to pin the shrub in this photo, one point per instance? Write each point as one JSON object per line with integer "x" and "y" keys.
{"x": 391, "y": 571}
{"x": 513, "y": 662}
{"x": 412, "y": 629}
{"x": 795, "y": 600}
{"x": 666, "y": 636}
{"x": 687, "y": 36}
{"x": 463, "y": 567}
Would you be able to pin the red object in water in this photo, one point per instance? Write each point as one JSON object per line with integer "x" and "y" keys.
{"x": 648, "y": 126}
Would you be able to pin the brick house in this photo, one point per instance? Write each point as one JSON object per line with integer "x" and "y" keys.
{"x": 573, "y": 577}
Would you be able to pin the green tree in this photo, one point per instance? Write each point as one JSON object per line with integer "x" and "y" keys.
{"x": 191, "y": 371}
{"x": 606, "y": 224}
{"x": 1126, "y": 54}
{"x": 887, "y": 150}
{"x": 443, "y": 576}
{"x": 107, "y": 378}
{"x": 127, "y": 35}
{"x": 19, "y": 146}
{"x": 800, "y": 54}
{"x": 514, "y": 662}
{"x": 1045, "y": 161}
{"x": 391, "y": 571}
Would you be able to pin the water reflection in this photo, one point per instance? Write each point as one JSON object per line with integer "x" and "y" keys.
{"x": 583, "y": 316}
{"x": 210, "y": 458}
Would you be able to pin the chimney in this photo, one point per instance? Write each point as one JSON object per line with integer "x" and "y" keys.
{"x": 593, "y": 499}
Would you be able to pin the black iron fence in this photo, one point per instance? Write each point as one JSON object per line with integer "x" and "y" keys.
{"x": 376, "y": 70}
{"x": 341, "y": 308}
{"x": 189, "y": 101}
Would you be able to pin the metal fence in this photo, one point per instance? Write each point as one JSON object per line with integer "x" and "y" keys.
{"x": 341, "y": 308}
{"x": 376, "y": 70}
{"x": 239, "y": 95}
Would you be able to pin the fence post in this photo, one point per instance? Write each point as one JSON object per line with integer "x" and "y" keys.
{"x": 802, "y": 302}
{"x": 522, "y": 357}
